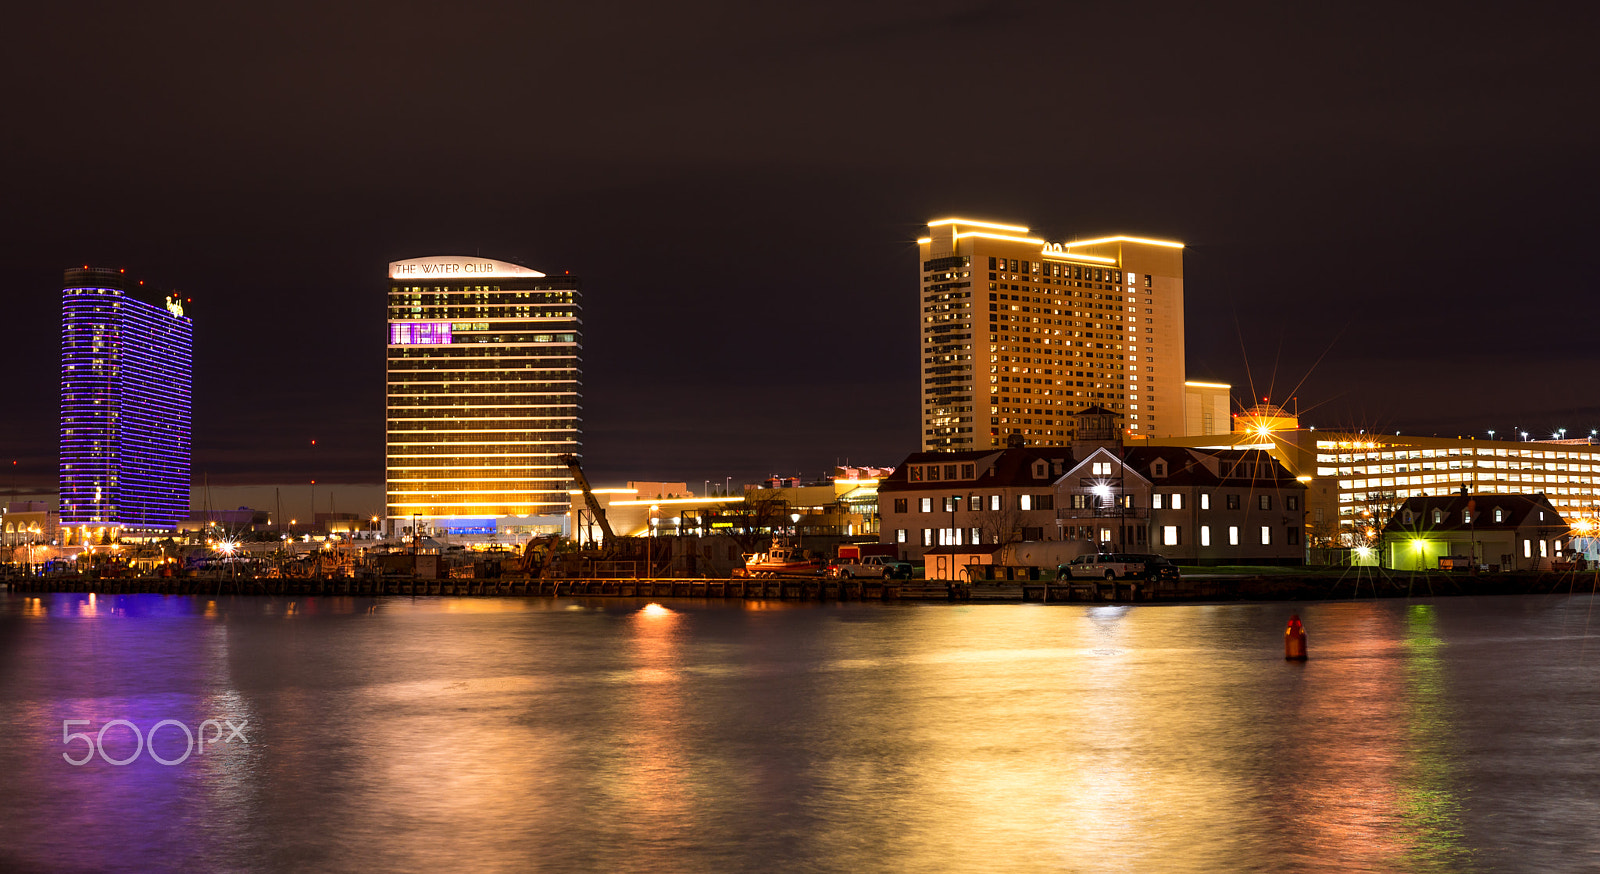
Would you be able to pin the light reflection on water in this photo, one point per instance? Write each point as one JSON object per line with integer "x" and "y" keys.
{"x": 509, "y": 734}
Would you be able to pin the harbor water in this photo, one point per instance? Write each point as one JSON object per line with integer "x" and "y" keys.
{"x": 512, "y": 734}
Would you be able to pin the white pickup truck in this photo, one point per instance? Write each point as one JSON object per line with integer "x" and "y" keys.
{"x": 1102, "y": 567}
{"x": 878, "y": 566}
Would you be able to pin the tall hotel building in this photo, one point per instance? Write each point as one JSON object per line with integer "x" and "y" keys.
{"x": 127, "y": 374}
{"x": 484, "y": 393}
{"x": 1019, "y": 335}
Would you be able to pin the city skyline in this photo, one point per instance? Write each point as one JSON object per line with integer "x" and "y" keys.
{"x": 1360, "y": 197}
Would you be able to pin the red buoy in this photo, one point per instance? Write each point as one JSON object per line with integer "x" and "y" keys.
{"x": 1294, "y": 639}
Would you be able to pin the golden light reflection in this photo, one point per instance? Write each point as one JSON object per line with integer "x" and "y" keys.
{"x": 486, "y": 605}
{"x": 650, "y": 775}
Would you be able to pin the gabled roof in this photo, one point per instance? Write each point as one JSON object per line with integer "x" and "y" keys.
{"x": 1081, "y": 469}
{"x": 997, "y": 468}
{"x": 1518, "y": 510}
{"x": 1184, "y": 466}
{"x": 1243, "y": 467}
{"x": 1202, "y": 467}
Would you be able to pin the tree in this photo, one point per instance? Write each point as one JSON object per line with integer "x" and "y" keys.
{"x": 1003, "y": 525}
{"x": 753, "y": 520}
{"x": 1367, "y": 518}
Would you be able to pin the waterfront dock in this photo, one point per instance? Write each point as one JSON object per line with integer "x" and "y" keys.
{"x": 1198, "y": 588}
{"x": 781, "y": 589}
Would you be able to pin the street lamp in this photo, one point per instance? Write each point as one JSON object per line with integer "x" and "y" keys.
{"x": 649, "y": 544}
{"x": 799, "y": 542}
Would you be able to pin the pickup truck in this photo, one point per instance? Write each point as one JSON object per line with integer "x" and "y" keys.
{"x": 879, "y": 566}
{"x": 1119, "y": 566}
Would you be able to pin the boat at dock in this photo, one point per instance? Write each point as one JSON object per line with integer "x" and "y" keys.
{"x": 781, "y": 561}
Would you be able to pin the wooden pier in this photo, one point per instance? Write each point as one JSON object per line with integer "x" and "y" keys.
{"x": 779, "y": 588}
{"x": 768, "y": 588}
{"x": 1066, "y": 591}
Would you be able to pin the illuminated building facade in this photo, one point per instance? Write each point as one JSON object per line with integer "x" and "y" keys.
{"x": 126, "y": 383}
{"x": 1018, "y": 335}
{"x": 484, "y": 393}
{"x": 1507, "y": 532}
{"x": 1195, "y": 506}
{"x": 1356, "y": 481}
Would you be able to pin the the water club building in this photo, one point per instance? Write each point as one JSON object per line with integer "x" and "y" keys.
{"x": 484, "y": 392}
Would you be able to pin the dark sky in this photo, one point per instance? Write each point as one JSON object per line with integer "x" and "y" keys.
{"x": 1388, "y": 207}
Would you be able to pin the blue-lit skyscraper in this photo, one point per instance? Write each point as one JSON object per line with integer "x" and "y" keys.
{"x": 126, "y": 377}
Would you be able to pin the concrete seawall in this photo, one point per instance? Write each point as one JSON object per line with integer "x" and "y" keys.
{"x": 1200, "y": 588}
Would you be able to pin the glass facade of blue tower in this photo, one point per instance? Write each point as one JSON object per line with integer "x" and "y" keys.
{"x": 126, "y": 380}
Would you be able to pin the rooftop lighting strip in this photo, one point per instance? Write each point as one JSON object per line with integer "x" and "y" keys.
{"x": 1075, "y": 257}
{"x": 1146, "y": 241}
{"x": 977, "y": 224}
{"x": 988, "y": 236}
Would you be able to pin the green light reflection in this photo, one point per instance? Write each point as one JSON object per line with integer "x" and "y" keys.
{"x": 1428, "y": 804}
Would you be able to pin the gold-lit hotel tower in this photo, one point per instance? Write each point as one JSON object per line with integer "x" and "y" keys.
{"x": 1019, "y": 335}
{"x": 484, "y": 394}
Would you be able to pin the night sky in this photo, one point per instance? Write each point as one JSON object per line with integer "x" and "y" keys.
{"x": 1389, "y": 209}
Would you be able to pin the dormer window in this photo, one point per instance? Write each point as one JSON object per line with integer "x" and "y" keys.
{"x": 916, "y": 473}
{"x": 1438, "y": 517}
{"x": 1041, "y": 469}
{"x": 1499, "y": 515}
{"x": 1159, "y": 468}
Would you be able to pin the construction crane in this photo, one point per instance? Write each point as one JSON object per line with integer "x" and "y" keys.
{"x": 596, "y": 512}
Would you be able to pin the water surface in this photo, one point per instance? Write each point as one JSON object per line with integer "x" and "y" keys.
{"x": 568, "y": 735}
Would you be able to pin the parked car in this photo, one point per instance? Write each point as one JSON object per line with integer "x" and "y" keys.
{"x": 1158, "y": 568}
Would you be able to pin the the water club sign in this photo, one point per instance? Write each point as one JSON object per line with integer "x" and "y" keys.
{"x": 450, "y": 267}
